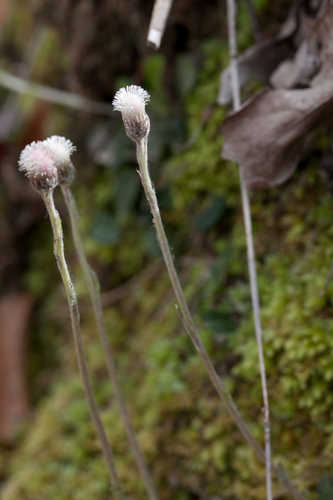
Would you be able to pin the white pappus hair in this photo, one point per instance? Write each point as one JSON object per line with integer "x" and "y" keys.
{"x": 60, "y": 148}
{"x": 130, "y": 99}
{"x": 38, "y": 165}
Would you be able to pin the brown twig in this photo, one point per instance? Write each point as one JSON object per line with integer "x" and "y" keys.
{"x": 56, "y": 96}
{"x": 158, "y": 21}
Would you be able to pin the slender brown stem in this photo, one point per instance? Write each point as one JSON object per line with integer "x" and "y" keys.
{"x": 76, "y": 329}
{"x": 231, "y": 12}
{"x": 188, "y": 323}
{"x": 95, "y": 298}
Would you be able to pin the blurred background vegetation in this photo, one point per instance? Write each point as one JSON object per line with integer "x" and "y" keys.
{"x": 193, "y": 449}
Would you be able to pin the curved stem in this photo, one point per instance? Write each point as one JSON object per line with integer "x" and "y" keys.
{"x": 76, "y": 329}
{"x": 231, "y": 12}
{"x": 95, "y": 298}
{"x": 188, "y": 323}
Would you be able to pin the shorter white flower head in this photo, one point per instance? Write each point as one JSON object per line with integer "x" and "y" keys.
{"x": 61, "y": 150}
{"x": 39, "y": 167}
{"x": 131, "y": 99}
{"x": 131, "y": 102}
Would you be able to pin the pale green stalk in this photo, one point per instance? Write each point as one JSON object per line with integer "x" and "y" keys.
{"x": 231, "y": 11}
{"x": 76, "y": 329}
{"x": 188, "y": 323}
{"x": 95, "y": 298}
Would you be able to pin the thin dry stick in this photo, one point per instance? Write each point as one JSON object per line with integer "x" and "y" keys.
{"x": 76, "y": 329}
{"x": 187, "y": 320}
{"x": 231, "y": 11}
{"x": 95, "y": 298}
{"x": 158, "y": 21}
{"x": 56, "y": 96}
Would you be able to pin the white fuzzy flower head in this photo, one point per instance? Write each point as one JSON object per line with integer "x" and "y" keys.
{"x": 38, "y": 166}
{"x": 61, "y": 150}
{"x": 131, "y": 102}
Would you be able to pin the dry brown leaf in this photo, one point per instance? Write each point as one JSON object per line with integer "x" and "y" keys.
{"x": 257, "y": 63}
{"x": 266, "y": 137}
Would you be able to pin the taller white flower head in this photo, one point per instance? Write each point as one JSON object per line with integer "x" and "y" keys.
{"x": 61, "y": 150}
{"x": 39, "y": 167}
{"x": 131, "y": 102}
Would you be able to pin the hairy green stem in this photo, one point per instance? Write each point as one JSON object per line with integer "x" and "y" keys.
{"x": 59, "y": 254}
{"x": 188, "y": 323}
{"x": 93, "y": 287}
{"x": 231, "y": 12}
